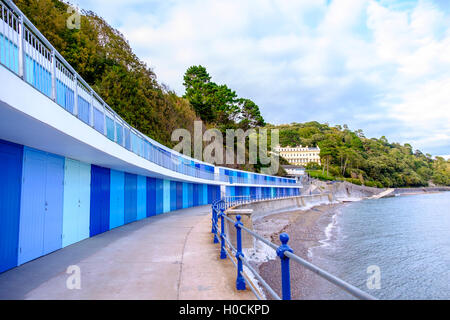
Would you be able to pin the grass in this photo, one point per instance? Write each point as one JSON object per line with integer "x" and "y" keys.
{"x": 319, "y": 175}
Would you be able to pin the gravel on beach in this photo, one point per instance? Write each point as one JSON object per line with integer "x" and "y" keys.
{"x": 305, "y": 229}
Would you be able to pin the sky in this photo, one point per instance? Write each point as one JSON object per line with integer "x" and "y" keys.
{"x": 378, "y": 65}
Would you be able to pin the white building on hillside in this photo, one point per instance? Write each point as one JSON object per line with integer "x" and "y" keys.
{"x": 299, "y": 156}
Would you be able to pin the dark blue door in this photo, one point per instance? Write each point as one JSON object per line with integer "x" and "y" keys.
{"x": 11, "y": 157}
{"x": 173, "y": 195}
{"x": 151, "y": 197}
{"x": 130, "y": 197}
{"x": 179, "y": 195}
{"x": 100, "y": 197}
{"x": 190, "y": 195}
{"x": 196, "y": 194}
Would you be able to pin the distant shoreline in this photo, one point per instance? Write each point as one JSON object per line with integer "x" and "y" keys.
{"x": 423, "y": 190}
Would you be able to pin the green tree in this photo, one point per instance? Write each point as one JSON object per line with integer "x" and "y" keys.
{"x": 200, "y": 92}
{"x": 250, "y": 116}
{"x": 219, "y": 104}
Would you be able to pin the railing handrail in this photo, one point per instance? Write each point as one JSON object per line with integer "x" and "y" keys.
{"x": 284, "y": 252}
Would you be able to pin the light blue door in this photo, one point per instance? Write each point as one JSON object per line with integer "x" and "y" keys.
{"x": 117, "y": 211}
{"x": 185, "y": 195}
{"x": 77, "y": 192}
{"x": 141, "y": 197}
{"x": 31, "y": 229}
{"x": 166, "y": 196}
{"x": 71, "y": 198}
{"x": 205, "y": 195}
{"x": 41, "y": 214}
{"x": 85, "y": 201}
{"x": 54, "y": 195}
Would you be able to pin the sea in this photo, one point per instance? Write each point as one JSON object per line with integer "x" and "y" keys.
{"x": 392, "y": 248}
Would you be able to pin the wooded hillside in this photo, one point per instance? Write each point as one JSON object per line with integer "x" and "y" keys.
{"x": 375, "y": 162}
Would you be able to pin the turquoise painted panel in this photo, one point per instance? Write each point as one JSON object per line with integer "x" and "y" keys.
{"x": 117, "y": 199}
{"x": 119, "y": 134}
{"x": 99, "y": 121}
{"x": 77, "y": 193}
{"x": 141, "y": 197}
{"x": 232, "y": 191}
{"x": 110, "y": 128}
{"x": 70, "y": 207}
{"x": 9, "y": 54}
{"x": 185, "y": 195}
{"x": 166, "y": 195}
{"x": 205, "y": 194}
{"x": 85, "y": 201}
{"x": 29, "y": 69}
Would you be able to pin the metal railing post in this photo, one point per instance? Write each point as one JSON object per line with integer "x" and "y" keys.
{"x": 91, "y": 111}
{"x": 105, "y": 130}
{"x": 285, "y": 271}
{"x": 215, "y": 224}
{"x": 53, "y": 75}
{"x": 212, "y": 218}
{"x": 240, "y": 282}
{"x": 223, "y": 253}
{"x": 75, "y": 93}
{"x": 21, "y": 48}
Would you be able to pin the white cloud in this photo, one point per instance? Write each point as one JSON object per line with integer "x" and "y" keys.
{"x": 380, "y": 66}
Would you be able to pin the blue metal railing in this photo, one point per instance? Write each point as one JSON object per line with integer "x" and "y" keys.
{"x": 284, "y": 252}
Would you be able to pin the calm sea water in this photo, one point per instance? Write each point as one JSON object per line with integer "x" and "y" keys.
{"x": 407, "y": 237}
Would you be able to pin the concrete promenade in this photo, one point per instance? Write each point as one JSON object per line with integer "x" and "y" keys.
{"x": 170, "y": 256}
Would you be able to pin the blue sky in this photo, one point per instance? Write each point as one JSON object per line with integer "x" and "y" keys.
{"x": 381, "y": 66}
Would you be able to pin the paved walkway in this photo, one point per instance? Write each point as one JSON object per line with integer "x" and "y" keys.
{"x": 170, "y": 256}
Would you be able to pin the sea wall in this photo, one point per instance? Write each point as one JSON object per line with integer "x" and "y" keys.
{"x": 400, "y": 191}
{"x": 346, "y": 190}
